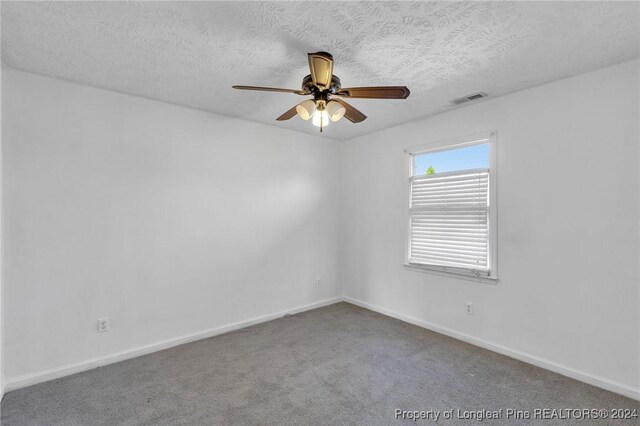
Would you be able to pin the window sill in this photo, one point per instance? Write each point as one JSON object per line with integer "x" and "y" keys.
{"x": 452, "y": 274}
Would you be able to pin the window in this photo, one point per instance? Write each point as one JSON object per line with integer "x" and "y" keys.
{"x": 451, "y": 206}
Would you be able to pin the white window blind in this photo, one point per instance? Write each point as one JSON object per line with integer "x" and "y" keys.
{"x": 449, "y": 223}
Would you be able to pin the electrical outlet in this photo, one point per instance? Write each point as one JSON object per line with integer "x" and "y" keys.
{"x": 103, "y": 325}
{"x": 468, "y": 308}
{"x": 318, "y": 282}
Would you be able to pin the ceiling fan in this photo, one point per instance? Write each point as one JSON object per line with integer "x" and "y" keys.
{"x": 327, "y": 92}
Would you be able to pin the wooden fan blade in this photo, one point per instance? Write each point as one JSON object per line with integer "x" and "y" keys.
{"x": 352, "y": 114}
{"x": 380, "y": 92}
{"x": 270, "y": 89}
{"x": 287, "y": 115}
{"x": 321, "y": 66}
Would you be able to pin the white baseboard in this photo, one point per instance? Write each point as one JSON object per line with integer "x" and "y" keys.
{"x": 44, "y": 376}
{"x": 591, "y": 379}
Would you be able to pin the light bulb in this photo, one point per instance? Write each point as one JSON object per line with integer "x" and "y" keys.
{"x": 335, "y": 110}
{"x": 320, "y": 118}
{"x": 305, "y": 109}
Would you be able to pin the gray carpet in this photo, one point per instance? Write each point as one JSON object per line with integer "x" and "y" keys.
{"x": 336, "y": 365}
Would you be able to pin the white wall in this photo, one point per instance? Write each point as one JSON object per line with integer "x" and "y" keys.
{"x": 1, "y": 256}
{"x": 168, "y": 220}
{"x": 172, "y": 221}
{"x": 568, "y": 226}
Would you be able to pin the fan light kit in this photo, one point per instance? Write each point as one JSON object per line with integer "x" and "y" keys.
{"x": 327, "y": 105}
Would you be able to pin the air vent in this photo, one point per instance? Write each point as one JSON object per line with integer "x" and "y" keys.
{"x": 469, "y": 98}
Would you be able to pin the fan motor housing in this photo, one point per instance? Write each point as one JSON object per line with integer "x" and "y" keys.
{"x": 309, "y": 87}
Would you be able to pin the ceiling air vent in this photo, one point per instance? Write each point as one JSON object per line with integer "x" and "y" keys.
{"x": 469, "y": 98}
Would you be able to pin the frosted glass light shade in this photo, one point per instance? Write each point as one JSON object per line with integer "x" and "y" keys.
{"x": 306, "y": 109}
{"x": 335, "y": 110}
{"x": 320, "y": 118}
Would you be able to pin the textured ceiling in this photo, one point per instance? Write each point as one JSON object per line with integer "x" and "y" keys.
{"x": 190, "y": 53}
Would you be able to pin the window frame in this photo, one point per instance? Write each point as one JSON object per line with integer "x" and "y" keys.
{"x": 492, "y": 240}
